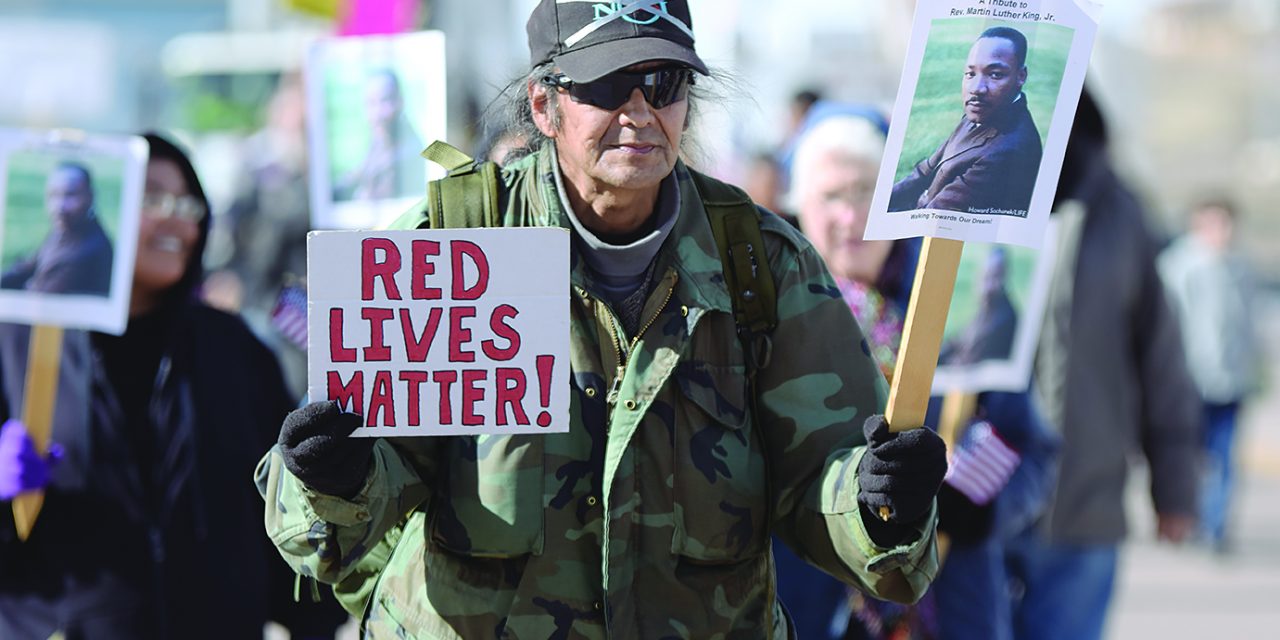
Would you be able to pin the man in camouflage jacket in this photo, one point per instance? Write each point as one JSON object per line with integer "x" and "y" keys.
{"x": 651, "y": 517}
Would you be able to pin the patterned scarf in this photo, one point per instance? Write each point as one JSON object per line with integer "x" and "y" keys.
{"x": 880, "y": 321}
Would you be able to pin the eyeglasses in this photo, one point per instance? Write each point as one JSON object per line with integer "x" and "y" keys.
{"x": 157, "y": 204}
{"x": 661, "y": 87}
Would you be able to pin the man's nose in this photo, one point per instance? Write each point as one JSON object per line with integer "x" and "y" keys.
{"x": 636, "y": 111}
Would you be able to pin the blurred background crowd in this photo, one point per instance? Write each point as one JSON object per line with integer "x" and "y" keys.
{"x": 1187, "y": 87}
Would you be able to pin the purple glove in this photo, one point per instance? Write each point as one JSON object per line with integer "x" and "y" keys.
{"x": 21, "y": 467}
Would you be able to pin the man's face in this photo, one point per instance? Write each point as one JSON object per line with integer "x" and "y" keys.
{"x": 834, "y": 204}
{"x": 994, "y": 276}
{"x": 993, "y": 78}
{"x": 67, "y": 197}
{"x": 382, "y": 100}
{"x": 632, "y": 147}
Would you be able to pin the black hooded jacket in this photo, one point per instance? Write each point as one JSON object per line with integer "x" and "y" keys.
{"x": 150, "y": 526}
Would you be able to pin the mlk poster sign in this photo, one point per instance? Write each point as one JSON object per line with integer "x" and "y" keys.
{"x": 448, "y": 332}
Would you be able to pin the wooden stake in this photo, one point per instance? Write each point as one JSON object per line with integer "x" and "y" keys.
{"x": 922, "y": 335}
{"x": 957, "y": 408}
{"x": 43, "y": 358}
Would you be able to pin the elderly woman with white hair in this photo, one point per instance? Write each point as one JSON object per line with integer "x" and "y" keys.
{"x": 833, "y": 176}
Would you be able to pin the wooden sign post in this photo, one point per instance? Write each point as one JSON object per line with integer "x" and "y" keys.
{"x": 922, "y": 334}
{"x": 109, "y": 173}
{"x": 43, "y": 358}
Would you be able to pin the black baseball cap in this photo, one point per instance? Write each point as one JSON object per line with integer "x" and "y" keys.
{"x": 588, "y": 39}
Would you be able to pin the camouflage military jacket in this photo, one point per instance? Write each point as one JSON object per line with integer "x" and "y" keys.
{"x": 651, "y": 517}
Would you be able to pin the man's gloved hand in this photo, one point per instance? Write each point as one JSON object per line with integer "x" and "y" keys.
{"x": 317, "y": 447}
{"x": 901, "y": 471}
{"x": 21, "y": 467}
{"x": 967, "y": 522}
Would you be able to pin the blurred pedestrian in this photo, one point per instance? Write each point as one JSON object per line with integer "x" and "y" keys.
{"x": 763, "y": 182}
{"x": 149, "y": 529}
{"x": 1211, "y": 286}
{"x": 1112, "y": 380}
{"x": 76, "y": 255}
{"x": 1000, "y": 470}
{"x": 263, "y": 235}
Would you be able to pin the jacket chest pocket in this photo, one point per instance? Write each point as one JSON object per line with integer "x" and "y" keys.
{"x": 720, "y": 481}
{"x": 491, "y": 501}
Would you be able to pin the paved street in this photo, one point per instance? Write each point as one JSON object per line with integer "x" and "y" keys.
{"x": 1177, "y": 594}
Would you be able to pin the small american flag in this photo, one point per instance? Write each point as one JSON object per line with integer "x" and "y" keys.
{"x": 982, "y": 464}
{"x": 289, "y": 316}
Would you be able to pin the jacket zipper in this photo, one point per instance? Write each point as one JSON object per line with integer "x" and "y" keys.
{"x": 622, "y": 358}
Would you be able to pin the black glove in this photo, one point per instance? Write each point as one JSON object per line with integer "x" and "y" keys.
{"x": 959, "y": 517}
{"x": 901, "y": 471}
{"x": 317, "y": 449}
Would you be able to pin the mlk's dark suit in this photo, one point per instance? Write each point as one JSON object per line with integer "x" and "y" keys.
{"x": 77, "y": 260}
{"x": 987, "y": 168}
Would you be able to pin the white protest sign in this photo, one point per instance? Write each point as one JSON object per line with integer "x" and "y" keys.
{"x": 447, "y": 332}
{"x": 989, "y": 91}
{"x": 70, "y": 206}
{"x": 373, "y": 104}
{"x": 997, "y": 310}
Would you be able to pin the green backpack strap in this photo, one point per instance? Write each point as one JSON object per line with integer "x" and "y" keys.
{"x": 466, "y": 197}
{"x": 735, "y": 223}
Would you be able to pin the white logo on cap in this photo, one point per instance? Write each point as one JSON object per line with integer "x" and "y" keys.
{"x": 604, "y": 10}
{"x": 610, "y": 11}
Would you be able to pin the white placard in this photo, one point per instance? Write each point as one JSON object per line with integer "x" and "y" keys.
{"x": 69, "y": 207}
{"x": 996, "y": 313}
{"x": 977, "y": 139}
{"x": 373, "y": 104}
{"x": 448, "y": 332}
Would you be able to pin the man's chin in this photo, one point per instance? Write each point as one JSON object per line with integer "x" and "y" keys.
{"x": 640, "y": 175}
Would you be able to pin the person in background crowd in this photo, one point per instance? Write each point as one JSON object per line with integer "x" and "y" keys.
{"x": 76, "y": 255}
{"x": 1111, "y": 378}
{"x": 1211, "y": 286}
{"x": 1002, "y": 466}
{"x": 261, "y": 264}
{"x": 651, "y": 517}
{"x": 149, "y": 529}
{"x": 763, "y": 182}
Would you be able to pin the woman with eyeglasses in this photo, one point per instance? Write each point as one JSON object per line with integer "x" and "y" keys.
{"x": 149, "y": 527}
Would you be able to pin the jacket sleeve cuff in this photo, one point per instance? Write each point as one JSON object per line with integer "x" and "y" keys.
{"x": 884, "y": 570}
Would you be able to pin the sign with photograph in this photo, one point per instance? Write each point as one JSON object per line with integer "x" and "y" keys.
{"x": 993, "y": 325}
{"x": 443, "y": 332}
{"x": 69, "y": 216}
{"x": 373, "y": 104}
{"x": 980, "y": 125}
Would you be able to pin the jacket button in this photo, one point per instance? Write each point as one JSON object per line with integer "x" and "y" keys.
{"x": 684, "y": 311}
{"x": 630, "y": 405}
{"x": 591, "y": 501}
{"x": 597, "y": 605}
{"x": 591, "y": 392}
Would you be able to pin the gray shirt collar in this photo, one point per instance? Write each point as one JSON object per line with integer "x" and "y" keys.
{"x": 622, "y": 265}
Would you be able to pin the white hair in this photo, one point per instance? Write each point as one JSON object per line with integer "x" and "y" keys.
{"x": 849, "y": 137}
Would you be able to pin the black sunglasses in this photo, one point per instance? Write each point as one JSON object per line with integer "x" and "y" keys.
{"x": 660, "y": 87}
